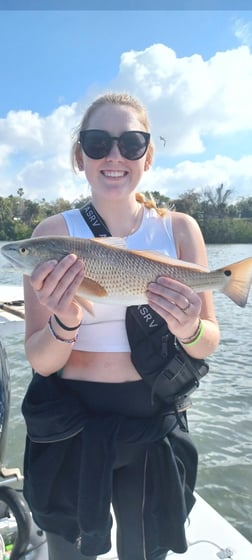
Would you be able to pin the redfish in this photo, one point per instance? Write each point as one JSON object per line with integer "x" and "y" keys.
{"x": 116, "y": 275}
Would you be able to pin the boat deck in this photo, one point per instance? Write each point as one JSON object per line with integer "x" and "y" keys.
{"x": 209, "y": 537}
{"x": 11, "y": 309}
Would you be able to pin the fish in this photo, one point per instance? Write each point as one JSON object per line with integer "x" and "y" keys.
{"x": 117, "y": 275}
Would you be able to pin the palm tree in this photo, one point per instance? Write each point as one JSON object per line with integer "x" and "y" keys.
{"x": 217, "y": 201}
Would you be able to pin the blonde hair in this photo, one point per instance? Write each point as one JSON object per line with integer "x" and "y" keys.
{"x": 126, "y": 100}
{"x": 151, "y": 203}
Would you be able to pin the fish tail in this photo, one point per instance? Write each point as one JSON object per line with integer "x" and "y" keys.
{"x": 239, "y": 281}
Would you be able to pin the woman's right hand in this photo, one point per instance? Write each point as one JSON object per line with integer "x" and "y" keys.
{"x": 55, "y": 285}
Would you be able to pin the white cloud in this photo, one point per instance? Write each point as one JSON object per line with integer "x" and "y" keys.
{"x": 30, "y": 133}
{"x": 5, "y": 151}
{"x": 187, "y": 175}
{"x": 51, "y": 179}
{"x": 189, "y": 100}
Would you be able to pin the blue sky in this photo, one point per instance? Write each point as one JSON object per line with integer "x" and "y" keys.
{"x": 198, "y": 91}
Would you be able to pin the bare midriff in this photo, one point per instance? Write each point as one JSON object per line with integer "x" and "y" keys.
{"x": 103, "y": 367}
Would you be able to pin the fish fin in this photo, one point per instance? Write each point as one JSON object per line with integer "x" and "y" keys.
{"x": 165, "y": 259}
{"x": 89, "y": 287}
{"x": 118, "y": 242}
{"x": 239, "y": 279}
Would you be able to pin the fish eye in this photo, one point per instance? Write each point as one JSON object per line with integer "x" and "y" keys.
{"x": 24, "y": 251}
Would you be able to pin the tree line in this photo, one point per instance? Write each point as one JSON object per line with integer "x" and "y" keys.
{"x": 221, "y": 220}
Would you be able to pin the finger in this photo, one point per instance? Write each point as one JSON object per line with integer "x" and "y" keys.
{"x": 51, "y": 282}
{"x": 168, "y": 316}
{"x": 51, "y": 270}
{"x": 163, "y": 306}
{"x": 66, "y": 291}
{"x": 182, "y": 300}
{"x": 183, "y": 296}
{"x": 173, "y": 284}
{"x": 40, "y": 273}
{"x": 172, "y": 313}
{"x": 61, "y": 269}
{"x": 60, "y": 282}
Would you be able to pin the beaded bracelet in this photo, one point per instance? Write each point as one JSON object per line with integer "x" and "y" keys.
{"x": 196, "y": 337}
{"x": 63, "y": 326}
{"x": 57, "y": 337}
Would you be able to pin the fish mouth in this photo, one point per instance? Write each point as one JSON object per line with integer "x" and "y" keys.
{"x": 11, "y": 255}
{"x": 11, "y": 258}
{"x": 7, "y": 255}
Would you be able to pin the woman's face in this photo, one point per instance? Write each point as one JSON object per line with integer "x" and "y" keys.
{"x": 114, "y": 176}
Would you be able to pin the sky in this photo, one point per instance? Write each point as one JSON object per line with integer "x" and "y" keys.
{"x": 191, "y": 68}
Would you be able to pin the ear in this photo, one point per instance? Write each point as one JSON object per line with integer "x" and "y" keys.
{"x": 79, "y": 157}
{"x": 147, "y": 163}
{"x": 149, "y": 158}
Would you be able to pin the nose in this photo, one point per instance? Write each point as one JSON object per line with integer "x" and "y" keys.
{"x": 114, "y": 152}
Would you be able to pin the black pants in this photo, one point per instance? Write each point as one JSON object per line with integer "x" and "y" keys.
{"x": 129, "y": 493}
{"x": 60, "y": 549}
{"x": 133, "y": 533}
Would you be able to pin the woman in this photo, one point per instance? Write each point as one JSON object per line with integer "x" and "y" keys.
{"x": 95, "y": 375}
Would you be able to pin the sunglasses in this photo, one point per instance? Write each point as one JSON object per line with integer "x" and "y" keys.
{"x": 97, "y": 144}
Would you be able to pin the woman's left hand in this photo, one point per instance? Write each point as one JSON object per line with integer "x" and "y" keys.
{"x": 178, "y": 304}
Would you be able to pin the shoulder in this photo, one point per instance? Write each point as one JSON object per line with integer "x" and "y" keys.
{"x": 54, "y": 225}
{"x": 184, "y": 224}
{"x": 69, "y": 222}
{"x": 188, "y": 238}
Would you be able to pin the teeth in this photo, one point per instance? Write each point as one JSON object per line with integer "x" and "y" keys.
{"x": 113, "y": 173}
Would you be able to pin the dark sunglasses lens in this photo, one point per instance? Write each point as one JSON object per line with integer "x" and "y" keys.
{"x": 95, "y": 143}
{"x": 133, "y": 145}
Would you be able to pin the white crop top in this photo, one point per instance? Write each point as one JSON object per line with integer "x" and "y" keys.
{"x": 105, "y": 331}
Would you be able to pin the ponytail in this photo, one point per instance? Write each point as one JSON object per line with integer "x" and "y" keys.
{"x": 151, "y": 203}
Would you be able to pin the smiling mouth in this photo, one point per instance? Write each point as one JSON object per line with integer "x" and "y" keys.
{"x": 114, "y": 174}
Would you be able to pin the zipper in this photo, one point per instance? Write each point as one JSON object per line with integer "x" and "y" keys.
{"x": 164, "y": 345}
{"x": 143, "y": 505}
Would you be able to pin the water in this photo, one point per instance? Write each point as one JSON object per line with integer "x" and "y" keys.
{"x": 220, "y": 419}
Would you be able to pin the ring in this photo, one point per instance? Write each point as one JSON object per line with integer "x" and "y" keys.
{"x": 187, "y": 307}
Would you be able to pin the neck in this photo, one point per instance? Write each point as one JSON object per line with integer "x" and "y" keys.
{"x": 122, "y": 218}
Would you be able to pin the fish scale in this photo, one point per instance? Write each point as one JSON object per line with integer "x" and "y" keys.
{"x": 140, "y": 272}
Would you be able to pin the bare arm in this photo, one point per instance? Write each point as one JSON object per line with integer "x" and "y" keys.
{"x": 50, "y": 290}
{"x": 171, "y": 298}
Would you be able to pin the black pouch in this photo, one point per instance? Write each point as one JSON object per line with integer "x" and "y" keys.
{"x": 180, "y": 377}
{"x": 159, "y": 359}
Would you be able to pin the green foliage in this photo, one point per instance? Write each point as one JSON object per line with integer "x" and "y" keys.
{"x": 244, "y": 207}
{"x": 189, "y": 203}
{"x": 220, "y": 222}
{"x": 227, "y": 230}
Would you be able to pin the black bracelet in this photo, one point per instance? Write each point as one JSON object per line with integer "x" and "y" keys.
{"x": 64, "y": 326}
{"x": 59, "y": 338}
